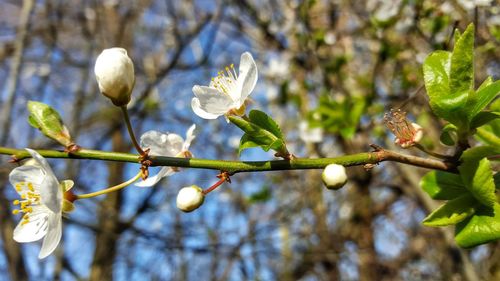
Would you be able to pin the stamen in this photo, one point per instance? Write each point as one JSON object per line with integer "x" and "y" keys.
{"x": 29, "y": 198}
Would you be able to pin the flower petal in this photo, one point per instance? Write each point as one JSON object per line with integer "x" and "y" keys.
{"x": 152, "y": 180}
{"x": 155, "y": 141}
{"x": 53, "y": 236}
{"x": 28, "y": 174}
{"x": 190, "y": 136}
{"x": 36, "y": 228}
{"x": 247, "y": 76}
{"x": 210, "y": 100}
{"x": 50, "y": 192}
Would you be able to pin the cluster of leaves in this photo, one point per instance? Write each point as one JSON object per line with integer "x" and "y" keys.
{"x": 472, "y": 204}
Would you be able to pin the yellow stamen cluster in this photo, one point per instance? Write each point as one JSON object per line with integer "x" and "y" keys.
{"x": 225, "y": 81}
{"x": 29, "y": 198}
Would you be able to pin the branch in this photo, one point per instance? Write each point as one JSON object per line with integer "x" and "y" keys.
{"x": 232, "y": 167}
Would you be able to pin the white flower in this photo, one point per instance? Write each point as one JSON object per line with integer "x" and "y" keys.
{"x": 160, "y": 144}
{"x": 226, "y": 93}
{"x": 417, "y": 135}
{"x": 190, "y": 198}
{"x": 41, "y": 202}
{"x": 114, "y": 72}
{"x": 334, "y": 176}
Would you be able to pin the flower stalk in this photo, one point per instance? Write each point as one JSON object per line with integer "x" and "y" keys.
{"x": 131, "y": 131}
{"x": 110, "y": 189}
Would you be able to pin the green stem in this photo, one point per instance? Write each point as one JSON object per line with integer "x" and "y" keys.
{"x": 131, "y": 130}
{"x": 243, "y": 166}
{"x": 110, "y": 189}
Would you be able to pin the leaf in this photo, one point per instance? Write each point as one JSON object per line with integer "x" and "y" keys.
{"x": 485, "y": 83}
{"x": 483, "y": 117}
{"x": 478, "y": 179}
{"x": 442, "y": 185}
{"x": 479, "y": 152}
{"x": 449, "y": 79}
{"x": 462, "y": 66}
{"x": 49, "y": 122}
{"x": 452, "y": 212}
{"x": 482, "y": 227}
{"x": 449, "y": 135}
{"x": 260, "y": 130}
{"x": 482, "y": 98}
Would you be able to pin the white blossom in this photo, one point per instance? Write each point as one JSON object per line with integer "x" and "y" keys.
{"x": 41, "y": 203}
{"x": 334, "y": 176}
{"x": 226, "y": 93}
{"x": 114, "y": 72}
{"x": 165, "y": 144}
{"x": 190, "y": 198}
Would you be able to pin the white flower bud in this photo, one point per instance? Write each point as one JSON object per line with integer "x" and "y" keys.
{"x": 114, "y": 72}
{"x": 190, "y": 198}
{"x": 334, "y": 176}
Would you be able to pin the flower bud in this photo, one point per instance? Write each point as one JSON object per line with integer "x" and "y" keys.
{"x": 334, "y": 176}
{"x": 114, "y": 72}
{"x": 190, "y": 198}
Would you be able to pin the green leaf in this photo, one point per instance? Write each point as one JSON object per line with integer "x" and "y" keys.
{"x": 485, "y": 83}
{"x": 479, "y": 100}
{"x": 462, "y": 67}
{"x": 482, "y": 227}
{"x": 479, "y": 152}
{"x": 449, "y": 135}
{"x": 478, "y": 179}
{"x": 449, "y": 79}
{"x": 260, "y": 130}
{"x": 442, "y": 185}
{"x": 49, "y": 122}
{"x": 452, "y": 212}
{"x": 483, "y": 117}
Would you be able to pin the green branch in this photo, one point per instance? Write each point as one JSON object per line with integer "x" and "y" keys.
{"x": 375, "y": 157}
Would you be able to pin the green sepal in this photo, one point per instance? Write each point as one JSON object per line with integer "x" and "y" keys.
{"x": 478, "y": 179}
{"x": 442, "y": 185}
{"x": 482, "y": 227}
{"x": 452, "y": 212}
{"x": 260, "y": 130}
{"x": 49, "y": 122}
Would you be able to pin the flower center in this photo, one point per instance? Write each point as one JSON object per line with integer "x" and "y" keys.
{"x": 29, "y": 198}
{"x": 225, "y": 82}
{"x": 400, "y": 126}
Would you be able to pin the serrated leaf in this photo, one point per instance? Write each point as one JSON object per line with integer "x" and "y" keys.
{"x": 265, "y": 122}
{"x": 452, "y": 212}
{"x": 481, "y": 98}
{"x": 260, "y": 130}
{"x": 479, "y": 152}
{"x": 49, "y": 122}
{"x": 482, "y": 227}
{"x": 478, "y": 179}
{"x": 483, "y": 117}
{"x": 449, "y": 135}
{"x": 442, "y": 185}
{"x": 462, "y": 66}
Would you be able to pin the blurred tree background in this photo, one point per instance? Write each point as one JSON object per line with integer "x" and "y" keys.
{"x": 328, "y": 71}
